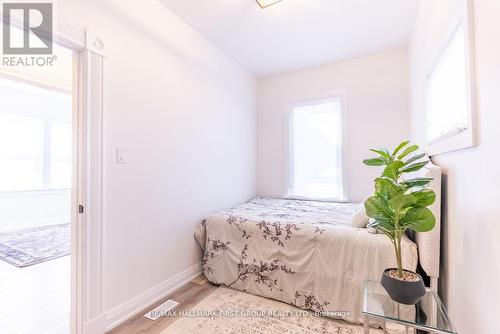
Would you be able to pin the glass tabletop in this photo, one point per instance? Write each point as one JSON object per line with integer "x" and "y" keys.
{"x": 428, "y": 313}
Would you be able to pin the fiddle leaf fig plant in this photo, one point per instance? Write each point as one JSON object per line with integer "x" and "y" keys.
{"x": 400, "y": 204}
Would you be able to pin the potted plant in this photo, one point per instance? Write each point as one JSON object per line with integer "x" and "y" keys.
{"x": 400, "y": 204}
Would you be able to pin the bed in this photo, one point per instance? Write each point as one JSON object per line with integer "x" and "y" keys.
{"x": 306, "y": 253}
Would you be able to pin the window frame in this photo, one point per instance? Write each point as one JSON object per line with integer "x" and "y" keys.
{"x": 460, "y": 138}
{"x": 310, "y": 99}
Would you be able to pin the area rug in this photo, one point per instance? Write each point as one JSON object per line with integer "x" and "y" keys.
{"x": 27, "y": 247}
{"x": 233, "y": 312}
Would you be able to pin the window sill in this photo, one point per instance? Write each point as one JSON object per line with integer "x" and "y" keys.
{"x": 446, "y": 135}
{"x": 315, "y": 199}
{"x": 37, "y": 192}
{"x": 452, "y": 141}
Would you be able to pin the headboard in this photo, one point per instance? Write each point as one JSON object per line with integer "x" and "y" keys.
{"x": 429, "y": 243}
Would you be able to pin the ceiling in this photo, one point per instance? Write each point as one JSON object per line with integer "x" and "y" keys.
{"x": 295, "y": 34}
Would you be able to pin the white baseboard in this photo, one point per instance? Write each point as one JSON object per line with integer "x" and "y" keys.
{"x": 131, "y": 307}
{"x": 95, "y": 326}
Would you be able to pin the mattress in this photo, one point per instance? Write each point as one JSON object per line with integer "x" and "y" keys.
{"x": 303, "y": 253}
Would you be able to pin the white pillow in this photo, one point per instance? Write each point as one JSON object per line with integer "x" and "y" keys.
{"x": 360, "y": 218}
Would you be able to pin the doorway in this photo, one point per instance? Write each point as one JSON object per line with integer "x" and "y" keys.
{"x": 37, "y": 164}
{"x": 85, "y": 55}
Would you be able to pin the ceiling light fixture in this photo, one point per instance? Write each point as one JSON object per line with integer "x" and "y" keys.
{"x": 266, "y": 3}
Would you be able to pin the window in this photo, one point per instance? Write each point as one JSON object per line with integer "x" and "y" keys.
{"x": 60, "y": 155}
{"x": 21, "y": 148}
{"x": 448, "y": 110}
{"x": 449, "y": 95}
{"x": 315, "y": 150}
{"x": 35, "y": 138}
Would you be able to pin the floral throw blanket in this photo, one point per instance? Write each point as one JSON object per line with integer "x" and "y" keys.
{"x": 302, "y": 253}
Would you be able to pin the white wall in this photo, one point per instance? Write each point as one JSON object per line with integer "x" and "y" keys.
{"x": 185, "y": 114}
{"x": 470, "y": 248}
{"x": 377, "y": 115}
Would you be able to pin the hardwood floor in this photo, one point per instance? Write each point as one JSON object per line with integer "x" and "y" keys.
{"x": 188, "y": 296}
{"x": 35, "y": 299}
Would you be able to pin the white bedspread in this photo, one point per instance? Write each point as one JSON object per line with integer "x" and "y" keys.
{"x": 303, "y": 253}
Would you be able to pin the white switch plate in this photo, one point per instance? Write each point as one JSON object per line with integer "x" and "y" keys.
{"x": 121, "y": 156}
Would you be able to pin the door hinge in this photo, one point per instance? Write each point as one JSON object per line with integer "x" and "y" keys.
{"x": 80, "y": 208}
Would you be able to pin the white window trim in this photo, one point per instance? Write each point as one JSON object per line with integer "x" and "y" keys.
{"x": 463, "y": 137}
{"x": 318, "y": 97}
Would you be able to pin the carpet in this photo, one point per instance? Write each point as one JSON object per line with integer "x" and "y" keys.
{"x": 233, "y": 312}
{"x": 27, "y": 247}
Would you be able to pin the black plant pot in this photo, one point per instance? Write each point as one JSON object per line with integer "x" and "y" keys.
{"x": 404, "y": 292}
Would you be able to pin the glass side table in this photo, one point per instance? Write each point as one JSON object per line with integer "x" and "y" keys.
{"x": 428, "y": 315}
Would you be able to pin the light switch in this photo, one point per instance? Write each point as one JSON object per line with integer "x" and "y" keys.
{"x": 121, "y": 156}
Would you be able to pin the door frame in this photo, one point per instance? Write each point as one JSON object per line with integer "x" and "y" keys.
{"x": 87, "y": 314}
{"x": 87, "y": 303}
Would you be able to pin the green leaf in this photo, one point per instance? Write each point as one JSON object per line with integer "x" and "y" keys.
{"x": 375, "y": 208}
{"x": 424, "y": 197}
{"x": 417, "y": 182}
{"x": 414, "y": 167}
{"x": 400, "y": 146}
{"x": 387, "y": 188}
{"x": 383, "y": 152}
{"x": 414, "y": 158}
{"x": 419, "y": 220}
{"x": 385, "y": 223}
{"x": 392, "y": 170}
{"x": 375, "y": 162}
{"x": 407, "y": 151}
{"x": 402, "y": 201}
